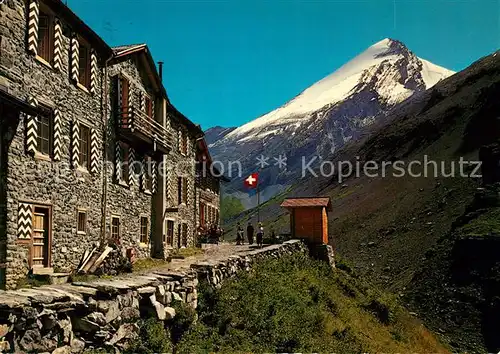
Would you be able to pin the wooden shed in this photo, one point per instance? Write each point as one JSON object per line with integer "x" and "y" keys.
{"x": 309, "y": 218}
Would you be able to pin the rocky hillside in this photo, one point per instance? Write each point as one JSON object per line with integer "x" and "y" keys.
{"x": 323, "y": 118}
{"x": 385, "y": 226}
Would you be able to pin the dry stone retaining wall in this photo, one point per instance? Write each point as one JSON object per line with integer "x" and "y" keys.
{"x": 104, "y": 313}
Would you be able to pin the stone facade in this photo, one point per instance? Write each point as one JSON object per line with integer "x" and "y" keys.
{"x": 38, "y": 179}
{"x": 107, "y": 171}
{"x": 105, "y": 313}
{"x": 207, "y": 188}
{"x": 180, "y": 195}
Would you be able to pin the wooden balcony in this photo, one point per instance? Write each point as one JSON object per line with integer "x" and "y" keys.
{"x": 136, "y": 127}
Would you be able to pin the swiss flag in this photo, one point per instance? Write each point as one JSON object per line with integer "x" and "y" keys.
{"x": 252, "y": 180}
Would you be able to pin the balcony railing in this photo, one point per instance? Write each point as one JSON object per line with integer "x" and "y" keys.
{"x": 135, "y": 124}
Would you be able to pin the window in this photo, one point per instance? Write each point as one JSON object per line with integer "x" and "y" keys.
{"x": 85, "y": 146}
{"x": 45, "y": 131}
{"x": 115, "y": 227}
{"x": 202, "y": 214}
{"x": 182, "y": 190}
{"x": 184, "y": 234}
{"x": 124, "y": 162}
{"x": 81, "y": 222}
{"x": 144, "y": 230}
{"x": 45, "y": 45}
{"x": 149, "y": 107}
{"x": 179, "y": 190}
{"x": 170, "y": 232}
{"x": 84, "y": 65}
{"x": 183, "y": 142}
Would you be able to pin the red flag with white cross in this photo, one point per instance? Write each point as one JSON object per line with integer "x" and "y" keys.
{"x": 252, "y": 181}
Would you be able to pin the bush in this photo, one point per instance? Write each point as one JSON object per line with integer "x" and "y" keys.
{"x": 185, "y": 316}
{"x": 153, "y": 338}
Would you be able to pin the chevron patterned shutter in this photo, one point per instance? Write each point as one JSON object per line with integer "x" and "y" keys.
{"x": 131, "y": 92}
{"x": 143, "y": 172}
{"x": 131, "y": 172}
{"x": 75, "y": 144}
{"x": 142, "y": 101}
{"x": 32, "y": 129}
{"x": 33, "y": 14}
{"x": 179, "y": 138}
{"x": 57, "y": 135}
{"x": 118, "y": 161}
{"x": 153, "y": 108}
{"x": 24, "y": 221}
{"x": 154, "y": 178}
{"x": 93, "y": 72}
{"x": 119, "y": 93}
{"x": 58, "y": 45}
{"x": 94, "y": 155}
{"x": 75, "y": 59}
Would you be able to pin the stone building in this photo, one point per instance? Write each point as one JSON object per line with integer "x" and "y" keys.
{"x": 207, "y": 187}
{"x": 137, "y": 141}
{"x": 180, "y": 197}
{"x": 92, "y": 151}
{"x": 51, "y": 161}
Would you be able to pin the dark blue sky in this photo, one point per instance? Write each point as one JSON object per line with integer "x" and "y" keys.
{"x": 228, "y": 62}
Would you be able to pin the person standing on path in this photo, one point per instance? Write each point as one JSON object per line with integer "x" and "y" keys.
{"x": 250, "y": 231}
{"x": 260, "y": 235}
{"x": 239, "y": 235}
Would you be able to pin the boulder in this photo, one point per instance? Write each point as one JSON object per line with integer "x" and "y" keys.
{"x": 130, "y": 314}
{"x": 85, "y": 325}
{"x": 128, "y": 331}
{"x": 160, "y": 311}
{"x": 67, "y": 330}
{"x": 62, "y": 350}
{"x": 97, "y": 317}
{"x": 169, "y": 313}
{"x": 113, "y": 311}
{"x": 77, "y": 345}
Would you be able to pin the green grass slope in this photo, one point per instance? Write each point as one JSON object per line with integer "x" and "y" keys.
{"x": 296, "y": 304}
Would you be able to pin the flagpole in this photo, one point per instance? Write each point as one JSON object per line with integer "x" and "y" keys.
{"x": 258, "y": 203}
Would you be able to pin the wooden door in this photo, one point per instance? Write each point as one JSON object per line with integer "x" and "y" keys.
{"x": 40, "y": 247}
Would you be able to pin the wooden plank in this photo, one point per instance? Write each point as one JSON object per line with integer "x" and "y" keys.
{"x": 101, "y": 259}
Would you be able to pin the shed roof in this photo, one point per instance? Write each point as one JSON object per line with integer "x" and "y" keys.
{"x": 307, "y": 202}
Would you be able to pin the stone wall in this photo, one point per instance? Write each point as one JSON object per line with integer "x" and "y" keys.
{"x": 38, "y": 180}
{"x": 104, "y": 313}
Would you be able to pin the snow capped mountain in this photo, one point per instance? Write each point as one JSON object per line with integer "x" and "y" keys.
{"x": 331, "y": 112}
{"x": 394, "y": 85}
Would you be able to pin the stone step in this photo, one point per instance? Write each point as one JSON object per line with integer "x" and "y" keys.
{"x": 42, "y": 270}
{"x": 53, "y": 278}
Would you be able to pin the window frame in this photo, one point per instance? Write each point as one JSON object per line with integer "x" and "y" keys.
{"x": 84, "y": 146}
{"x": 184, "y": 143}
{"x": 184, "y": 235}
{"x": 146, "y": 231}
{"x": 48, "y": 57}
{"x": 50, "y": 127}
{"x": 147, "y": 174}
{"x": 148, "y": 106}
{"x": 118, "y": 233}
{"x": 170, "y": 232}
{"x": 179, "y": 190}
{"x": 184, "y": 190}
{"x": 78, "y": 230}
{"x": 84, "y": 48}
